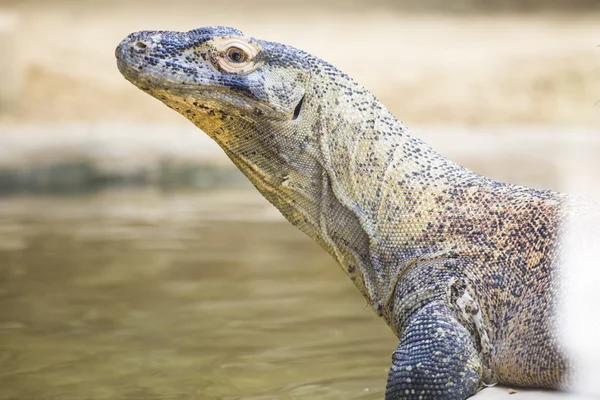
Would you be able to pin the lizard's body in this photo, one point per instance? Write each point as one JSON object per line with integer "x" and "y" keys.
{"x": 461, "y": 268}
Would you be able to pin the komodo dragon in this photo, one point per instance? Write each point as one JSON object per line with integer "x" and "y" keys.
{"x": 462, "y": 268}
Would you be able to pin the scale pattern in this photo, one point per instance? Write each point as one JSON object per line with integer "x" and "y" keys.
{"x": 462, "y": 268}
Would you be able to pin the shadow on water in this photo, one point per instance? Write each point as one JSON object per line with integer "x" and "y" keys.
{"x": 147, "y": 295}
{"x": 83, "y": 176}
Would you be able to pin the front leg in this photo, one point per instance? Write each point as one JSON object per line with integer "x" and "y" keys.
{"x": 436, "y": 359}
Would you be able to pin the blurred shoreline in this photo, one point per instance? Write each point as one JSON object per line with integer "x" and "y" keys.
{"x": 79, "y": 158}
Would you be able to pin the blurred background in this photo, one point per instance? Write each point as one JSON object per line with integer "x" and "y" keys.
{"x": 136, "y": 262}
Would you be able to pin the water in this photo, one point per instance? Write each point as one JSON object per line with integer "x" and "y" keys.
{"x": 205, "y": 295}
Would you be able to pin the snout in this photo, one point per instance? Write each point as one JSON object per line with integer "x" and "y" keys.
{"x": 131, "y": 52}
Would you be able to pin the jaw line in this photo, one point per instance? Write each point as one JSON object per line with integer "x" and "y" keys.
{"x": 201, "y": 92}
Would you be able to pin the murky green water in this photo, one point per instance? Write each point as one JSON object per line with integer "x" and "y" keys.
{"x": 142, "y": 295}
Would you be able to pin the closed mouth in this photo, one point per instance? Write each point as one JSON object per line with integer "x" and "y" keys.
{"x": 200, "y": 92}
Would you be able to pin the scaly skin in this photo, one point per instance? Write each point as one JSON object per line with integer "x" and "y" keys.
{"x": 462, "y": 268}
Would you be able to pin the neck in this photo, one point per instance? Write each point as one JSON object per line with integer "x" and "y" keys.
{"x": 377, "y": 178}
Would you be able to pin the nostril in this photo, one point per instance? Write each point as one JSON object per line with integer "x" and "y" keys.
{"x": 140, "y": 46}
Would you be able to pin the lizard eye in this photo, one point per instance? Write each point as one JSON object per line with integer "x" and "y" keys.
{"x": 236, "y": 55}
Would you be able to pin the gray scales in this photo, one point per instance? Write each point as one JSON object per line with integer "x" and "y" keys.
{"x": 461, "y": 268}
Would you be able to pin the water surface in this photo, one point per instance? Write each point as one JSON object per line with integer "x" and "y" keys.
{"x": 201, "y": 295}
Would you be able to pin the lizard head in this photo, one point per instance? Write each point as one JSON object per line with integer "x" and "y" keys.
{"x": 251, "y": 96}
{"x": 228, "y": 84}
{"x": 218, "y": 68}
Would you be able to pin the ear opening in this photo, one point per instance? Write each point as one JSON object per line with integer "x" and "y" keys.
{"x": 298, "y": 108}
